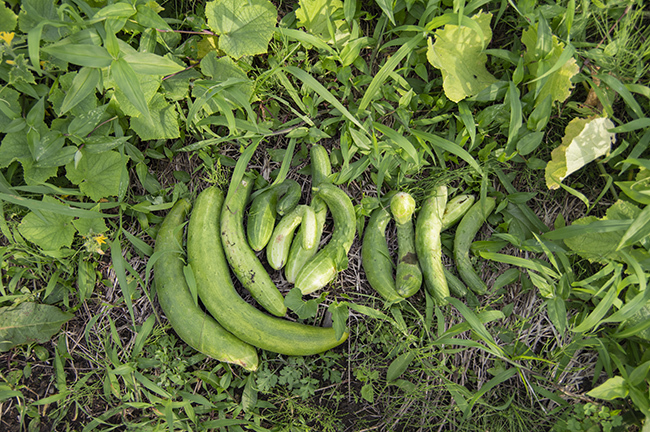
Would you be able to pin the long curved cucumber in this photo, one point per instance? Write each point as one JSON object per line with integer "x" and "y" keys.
{"x": 194, "y": 326}
{"x": 428, "y": 243}
{"x": 277, "y": 251}
{"x": 323, "y": 267}
{"x": 408, "y": 275}
{"x": 321, "y": 168}
{"x": 261, "y": 219}
{"x": 467, "y": 229}
{"x": 242, "y": 319}
{"x": 375, "y": 256}
{"x": 243, "y": 261}
{"x": 456, "y": 209}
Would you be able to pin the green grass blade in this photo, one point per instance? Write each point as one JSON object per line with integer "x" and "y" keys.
{"x": 448, "y": 146}
{"x": 119, "y": 265}
{"x": 398, "y": 139}
{"x": 594, "y": 319}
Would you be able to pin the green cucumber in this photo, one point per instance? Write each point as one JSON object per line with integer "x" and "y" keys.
{"x": 408, "y": 275}
{"x": 289, "y": 194}
{"x": 261, "y": 219}
{"x": 243, "y": 261}
{"x": 456, "y": 286}
{"x": 324, "y": 266}
{"x": 277, "y": 251}
{"x": 467, "y": 229}
{"x": 194, "y": 326}
{"x": 375, "y": 256}
{"x": 321, "y": 168}
{"x": 456, "y": 209}
{"x": 237, "y": 316}
{"x": 428, "y": 243}
{"x": 298, "y": 253}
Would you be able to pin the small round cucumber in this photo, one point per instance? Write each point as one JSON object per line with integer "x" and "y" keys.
{"x": 243, "y": 261}
{"x": 323, "y": 267}
{"x": 375, "y": 256}
{"x": 408, "y": 275}
{"x": 429, "y": 246}
{"x": 467, "y": 229}
{"x": 240, "y": 318}
{"x": 194, "y": 326}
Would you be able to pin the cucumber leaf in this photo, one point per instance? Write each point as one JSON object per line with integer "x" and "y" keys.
{"x": 29, "y": 323}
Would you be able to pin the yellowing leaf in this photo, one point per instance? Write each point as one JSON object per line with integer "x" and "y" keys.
{"x": 557, "y": 84}
{"x": 584, "y": 141}
{"x": 458, "y": 53}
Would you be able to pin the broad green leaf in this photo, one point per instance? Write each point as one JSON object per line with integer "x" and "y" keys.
{"x": 458, "y": 53}
{"x": 88, "y": 227}
{"x": 315, "y": 16}
{"x": 584, "y": 141}
{"x": 116, "y": 10}
{"x": 8, "y": 19}
{"x": 398, "y": 366}
{"x": 128, "y": 82}
{"x": 83, "y": 84}
{"x": 81, "y": 54}
{"x": 148, "y": 84}
{"x": 340, "y": 314}
{"x": 34, "y": 12}
{"x": 220, "y": 69}
{"x": 304, "y": 309}
{"x": 614, "y": 388}
{"x": 639, "y": 229}
{"x": 97, "y": 174}
{"x": 244, "y": 27}
{"x": 553, "y": 70}
{"x": 59, "y": 93}
{"x": 28, "y": 323}
{"x": 49, "y": 231}
{"x": 152, "y": 64}
{"x": 163, "y": 123}
{"x": 86, "y": 278}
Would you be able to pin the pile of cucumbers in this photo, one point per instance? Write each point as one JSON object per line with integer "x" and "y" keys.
{"x": 419, "y": 255}
{"x": 230, "y": 329}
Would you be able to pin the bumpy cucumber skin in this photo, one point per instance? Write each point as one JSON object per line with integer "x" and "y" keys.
{"x": 242, "y": 259}
{"x": 242, "y": 319}
{"x": 467, "y": 229}
{"x": 323, "y": 267}
{"x": 408, "y": 275}
{"x": 456, "y": 209}
{"x": 290, "y": 193}
{"x": 321, "y": 168}
{"x": 428, "y": 244}
{"x": 198, "y": 329}
{"x": 375, "y": 256}
{"x": 261, "y": 219}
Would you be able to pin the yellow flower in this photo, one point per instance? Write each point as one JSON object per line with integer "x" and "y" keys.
{"x": 7, "y": 37}
{"x": 100, "y": 239}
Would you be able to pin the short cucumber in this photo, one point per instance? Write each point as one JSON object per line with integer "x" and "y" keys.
{"x": 242, "y": 319}
{"x": 289, "y": 194}
{"x": 467, "y": 229}
{"x": 324, "y": 266}
{"x": 194, "y": 326}
{"x": 243, "y": 261}
{"x": 261, "y": 219}
{"x": 277, "y": 251}
{"x": 428, "y": 243}
{"x": 375, "y": 256}
{"x": 298, "y": 253}
{"x": 408, "y": 275}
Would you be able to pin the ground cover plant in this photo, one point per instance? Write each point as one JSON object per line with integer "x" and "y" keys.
{"x": 534, "y": 315}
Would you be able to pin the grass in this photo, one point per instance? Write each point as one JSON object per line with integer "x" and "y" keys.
{"x": 497, "y": 362}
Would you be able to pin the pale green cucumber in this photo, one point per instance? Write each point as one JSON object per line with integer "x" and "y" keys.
{"x": 298, "y": 253}
{"x": 261, "y": 219}
{"x": 194, "y": 326}
{"x": 456, "y": 209}
{"x": 289, "y": 194}
{"x": 408, "y": 275}
{"x": 242, "y": 319}
{"x": 242, "y": 259}
{"x": 324, "y": 266}
{"x": 277, "y": 251}
{"x": 467, "y": 229}
{"x": 375, "y": 256}
{"x": 428, "y": 243}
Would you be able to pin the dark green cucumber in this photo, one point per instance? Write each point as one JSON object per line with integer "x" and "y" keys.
{"x": 194, "y": 326}
{"x": 289, "y": 194}
{"x": 375, "y": 256}
{"x": 243, "y": 261}
{"x": 408, "y": 275}
{"x": 323, "y": 267}
{"x": 467, "y": 229}
{"x": 240, "y": 318}
{"x": 429, "y": 246}
{"x": 261, "y": 219}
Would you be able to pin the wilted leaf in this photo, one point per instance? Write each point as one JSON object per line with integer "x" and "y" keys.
{"x": 97, "y": 174}
{"x": 584, "y": 141}
{"x": 29, "y": 323}
{"x": 458, "y": 53}
{"x": 50, "y": 231}
{"x": 244, "y": 28}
